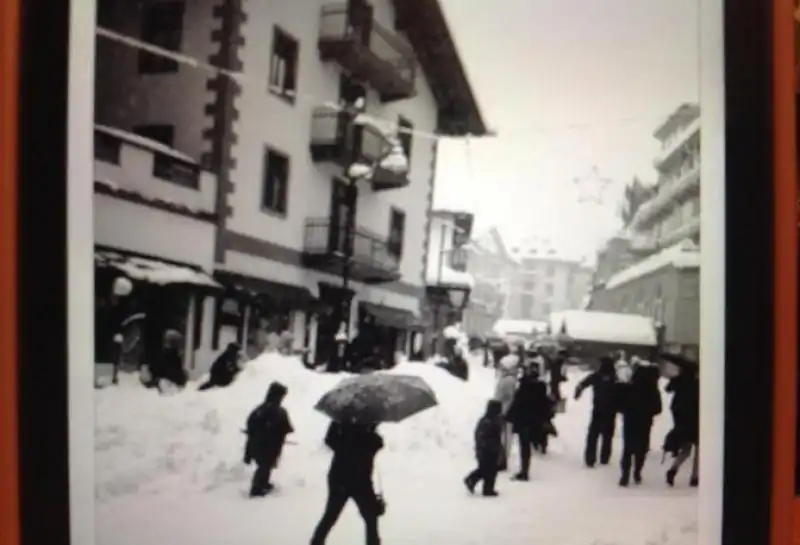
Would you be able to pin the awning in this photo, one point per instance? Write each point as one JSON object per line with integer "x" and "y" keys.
{"x": 390, "y": 317}
{"x": 153, "y": 271}
{"x": 278, "y": 293}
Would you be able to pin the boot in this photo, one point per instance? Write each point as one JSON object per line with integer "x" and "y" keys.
{"x": 624, "y": 480}
{"x": 520, "y": 477}
{"x": 490, "y": 493}
{"x": 671, "y": 476}
{"x": 637, "y": 477}
{"x": 470, "y": 484}
{"x": 694, "y": 482}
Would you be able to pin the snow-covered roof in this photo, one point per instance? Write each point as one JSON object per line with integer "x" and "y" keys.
{"x": 147, "y": 143}
{"x": 683, "y": 255}
{"x": 605, "y": 327}
{"x": 505, "y": 327}
{"x": 154, "y": 271}
{"x": 447, "y": 276}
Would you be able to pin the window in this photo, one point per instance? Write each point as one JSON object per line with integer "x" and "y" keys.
{"x": 106, "y": 148}
{"x": 164, "y": 134}
{"x": 548, "y": 289}
{"x": 176, "y": 171}
{"x": 283, "y": 65}
{"x": 275, "y": 188}
{"x": 546, "y": 309}
{"x": 350, "y": 89}
{"x": 405, "y": 136}
{"x": 162, "y": 26}
{"x": 397, "y": 231}
{"x": 550, "y": 271}
{"x": 528, "y": 285}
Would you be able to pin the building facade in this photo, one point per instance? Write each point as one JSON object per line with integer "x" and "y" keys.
{"x": 654, "y": 269}
{"x": 673, "y": 214}
{"x": 546, "y": 281}
{"x": 448, "y": 284}
{"x": 298, "y": 245}
{"x": 493, "y": 269}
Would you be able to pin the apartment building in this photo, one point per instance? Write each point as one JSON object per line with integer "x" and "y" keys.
{"x": 493, "y": 269}
{"x": 279, "y": 152}
{"x": 655, "y": 270}
{"x": 547, "y": 281}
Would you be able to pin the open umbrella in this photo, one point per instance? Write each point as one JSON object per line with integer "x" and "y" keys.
{"x": 377, "y": 397}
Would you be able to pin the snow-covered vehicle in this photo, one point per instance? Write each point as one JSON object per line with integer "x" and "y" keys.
{"x": 589, "y": 334}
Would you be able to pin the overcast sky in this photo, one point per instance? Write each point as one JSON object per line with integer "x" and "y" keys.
{"x": 568, "y": 85}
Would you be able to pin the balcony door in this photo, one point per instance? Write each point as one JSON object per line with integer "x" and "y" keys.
{"x": 342, "y": 216}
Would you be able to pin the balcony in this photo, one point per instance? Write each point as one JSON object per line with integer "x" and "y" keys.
{"x": 679, "y": 142}
{"x": 687, "y": 182}
{"x": 372, "y": 261}
{"x": 147, "y": 172}
{"x": 368, "y": 51}
{"x": 368, "y": 145}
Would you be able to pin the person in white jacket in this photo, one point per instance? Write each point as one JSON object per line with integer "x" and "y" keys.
{"x": 508, "y": 372}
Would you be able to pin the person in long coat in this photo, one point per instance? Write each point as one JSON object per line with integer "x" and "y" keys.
{"x": 354, "y": 449}
{"x": 529, "y": 413}
{"x": 684, "y": 437}
{"x": 557, "y": 374}
{"x": 504, "y": 393}
{"x": 640, "y": 403}
{"x": 602, "y": 424}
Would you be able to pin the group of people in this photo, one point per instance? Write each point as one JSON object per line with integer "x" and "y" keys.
{"x": 524, "y": 407}
{"x": 630, "y": 387}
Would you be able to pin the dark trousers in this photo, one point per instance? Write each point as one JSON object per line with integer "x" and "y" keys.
{"x": 260, "y": 484}
{"x": 528, "y": 437}
{"x": 486, "y": 472}
{"x": 601, "y": 427}
{"x": 635, "y": 444}
{"x": 365, "y": 499}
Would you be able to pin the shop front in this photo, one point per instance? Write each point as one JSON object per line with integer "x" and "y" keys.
{"x": 165, "y": 296}
{"x": 389, "y": 328}
{"x": 263, "y": 315}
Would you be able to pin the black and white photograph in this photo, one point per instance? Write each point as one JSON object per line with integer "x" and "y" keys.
{"x": 398, "y": 272}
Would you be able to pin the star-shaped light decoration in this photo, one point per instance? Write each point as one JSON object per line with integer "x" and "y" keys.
{"x": 592, "y": 186}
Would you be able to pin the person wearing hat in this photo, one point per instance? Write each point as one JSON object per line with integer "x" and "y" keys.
{"x": 224, "y": 369}
{"x": 267, "y": 428}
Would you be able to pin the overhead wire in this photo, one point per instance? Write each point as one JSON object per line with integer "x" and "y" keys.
{"x": 248, "y": 80}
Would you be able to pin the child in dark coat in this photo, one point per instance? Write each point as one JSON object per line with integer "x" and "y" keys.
{"x": 224, "y": 369}
{"x": 267, "y": 428}
{"x": 488, "y": 449}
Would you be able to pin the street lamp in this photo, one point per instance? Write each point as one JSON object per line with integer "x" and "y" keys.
{"x": 459, "y": 296}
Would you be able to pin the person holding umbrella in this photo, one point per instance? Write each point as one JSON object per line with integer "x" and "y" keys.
{"x": 357, "y": 406}
{"x": 684, "y": 437}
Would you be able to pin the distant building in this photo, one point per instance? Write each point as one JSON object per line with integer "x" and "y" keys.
{"x": 494, "y": 269}
{"x": 546, "y": 281}
{"x": 654, "y": 269}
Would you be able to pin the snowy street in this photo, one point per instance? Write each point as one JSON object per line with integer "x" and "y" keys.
{"x": 169, "y": 472}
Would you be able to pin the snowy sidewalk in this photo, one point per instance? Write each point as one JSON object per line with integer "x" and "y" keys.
{"x": 169, "y": 471}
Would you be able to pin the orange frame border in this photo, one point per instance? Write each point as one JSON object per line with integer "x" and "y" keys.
{"x": 9, "y": 90}
{"x": 785, "y": 507}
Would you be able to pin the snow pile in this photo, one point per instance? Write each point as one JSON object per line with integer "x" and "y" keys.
{"x": 143, "y": 142}
{"x": 192, "y": 441}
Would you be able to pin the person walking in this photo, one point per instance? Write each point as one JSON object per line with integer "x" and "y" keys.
{"x": 684, "y": 437}
{"x": 488, "y": 449}
{"x": 508, "y": 371}
{"x": 118, "y": 313}
{"x": 354, "y": 449}
{"x": 557, "y": 374}
{"x": 604, "y": 411}
{"x": 640, "y": 403}
{"x": 530, "y": 411}
{"x": 267, "y": 428}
